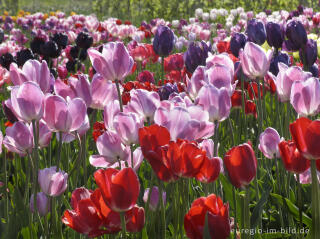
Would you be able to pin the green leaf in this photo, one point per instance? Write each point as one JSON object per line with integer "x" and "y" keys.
{"x": 206, "y": 233}
{"x": 144, "y": 233}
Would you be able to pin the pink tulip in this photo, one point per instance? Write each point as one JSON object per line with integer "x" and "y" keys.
{"x": 305, "y": 177}
{"x": 110, "y": 111}
{"x": 144, "y": 103}
{"x": 44, "y": 134}
{"x": 268, "y": 143}
{"x": 208, "y": 146}
{"x": 286, "y": 77}
{"x": 33, "y": 71}
{"x": 62, "y": 115}
{"x": 196, "y": 82}
{"x": 111, "y": 150}
{"x": 127, "y": 126}
{"x": 215, "y": 101}
{"x": 137, "y": 160}
{"x": 305, "y": 96}
{"x": 1, "y": 140}
{"x": 220, "y": 59}
{"x": 114, "y": 63}
{"x": 18, "y": 139}
{"x": 154, "y": 197}
{"x": 27, "y": 101}
{"x": 52, "y": 182}
{"x": 68, "y": 137}
{"x": 255, "y": 62}
{"x": 43, "y": 204}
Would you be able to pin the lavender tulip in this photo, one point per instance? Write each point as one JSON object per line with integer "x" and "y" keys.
{"x": 1, "y": 140}
{"x": 268, "y": 143}
{"x": 52, "y": 182}
{"x": 43, "y": 204}
{"x": 154, "y": 197}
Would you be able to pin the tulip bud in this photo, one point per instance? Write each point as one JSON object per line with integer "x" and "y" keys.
{"x": 308, "y": 54}
{"x": 281, "y": 57}
{"x": 275, "y": 34}
{"x": 154, "y": 197}
{"x": 43, "y": 204}
{"x": 237, "y": 42}
{"x": 163, "y": 41}
{"x": 268, "y": 143}
{"x": 51, "y": 182}
{"x": 196, "y": 55}
{"x": 256, "y": 32}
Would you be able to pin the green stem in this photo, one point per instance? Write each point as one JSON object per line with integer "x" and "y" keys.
{"x": 216, "y": 138}
{"x": 59, "y": 151}
{"x": 131, "y": 149}
{"x": 162, "y": 70}
{"x": 299, "y": 203}
{"x": 235, "y": 211}
{"x": 246, "y": 214}
{"x": 163, "y": 211}
{"x": 35, "y": 127}
{"x": 315, "y": 232}
{"x": 279, "y": 192}
{"x": 119, "y": 94}
{"x": 243, "y": 109}
{"x": 123, "y": 224}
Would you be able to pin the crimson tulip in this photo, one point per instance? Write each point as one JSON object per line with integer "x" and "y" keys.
{"x": 209, "y": 170}
{"x": 241, "y": 164}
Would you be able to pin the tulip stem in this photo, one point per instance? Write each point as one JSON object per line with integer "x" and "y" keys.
{"x": 162, "y": 70}
{"x": 279, "y": 192}
{"x": 315, "y": 201}
{"x": 243, "y": 108}
{"x": 163, "y": 212}
{"x": 216, "y": 138}
{"x": 131, "y": 150}
{"x": 59, "y": 151}
{"x": 119, "y": 95}
{"x": 235, "y": 212}
{"x": 123, "y": 224}
{"x": 246, "y": 211}
{"x": 299, "y": 203}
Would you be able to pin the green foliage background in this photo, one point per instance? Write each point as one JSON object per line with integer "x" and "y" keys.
{"x": 137, "y": 10}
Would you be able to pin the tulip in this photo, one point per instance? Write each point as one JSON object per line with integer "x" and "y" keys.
{"x": 51, "y": 182}
{"x": 110, "y": 111}
{"x": 196, "y": 82}
{"x": 146, "y": 76}
{"x": 196, "y": 55}
{"x": 8, "y": 111}
{"x": 314, "y": 70}
{"x": 305, "y": 177}
{"x": 218, "y": 218}
{"x": 237, "y": 42}
{"x": 280, "y": 57}
{"x": 62, "y": 115}
{"x": 292, "y": 159}
{"x": 163, "y": 41}
{"x": 18, "y": 139}
{"x": 43, "y": 204}
{"x": 296, "y": 34}
{"x": 44, "y": 134}
{"x": 286, "y": 77}
{"x": 275, "y": 34}
{"x": 210, "y": 170}
{"x": 166, "y": 90}
{"x": 241, "y": 164}
{"x": 256, "y": 32}
{"x": 114, "y": 63}
{"x": 27, "y": 101}
{"x": 305, "y": 96}
{"x": 268, "y": 143}
{"x": 215, "y": 101}
{"x": 220, "y": 59}
{"x": 1, "y": 140}
{"x": 173, "y": 62}
{"x": 135, "y": 219}
{"x": 254, "y": 61}
{"x": 309, "y": 53}
{"x": 154, "y": 197}
{"x": 116, "y": 192}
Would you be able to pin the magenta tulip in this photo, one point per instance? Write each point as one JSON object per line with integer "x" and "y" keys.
{"x": 268, "y": 143}
{"x": 154, "y": 197}
{"x": 220, "y": 59}
{"x": 109, "y": 113}
{"x": 196, "y": 81}
{"x": 43, "y": 204}
{"x": 52, "y": 182}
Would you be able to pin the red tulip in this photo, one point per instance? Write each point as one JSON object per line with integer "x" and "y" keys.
{"x": 135, "y": 219}
{"x": 250, "y": 108}
{"x": 291, "y": 157}
{"x": 241, "y": 163}
{"x": 152, "y": 139}
{"x": 236, "y": 99}
{"x": 218, "y": 218}
{"x": 117, "y": 193}
{"x": 209, "y": 170}
{"x": 306, "y": 134}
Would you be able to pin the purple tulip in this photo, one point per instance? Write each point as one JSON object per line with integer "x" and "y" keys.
{"x": 7, "y": 109}
{"x": 33, "y": 71}
{"x": 43, "y": 204}
{"x": 305, "y": 96}
{"x": 256, "y": 31}
{"x": 27, "y": 101}
{"x": 237, "y": 42}
{"x": 280, "y": 57}
{"x": 163, "y": 41}
{"x": 296, "y": 34}
{"x": 215, "y": 101}
{"x": 314, "y": 70}
{"x": 275, "y": 35}
{"x": 154, "y": 197}
{"x": 196, "y": 82}
{"x": 114, "y": 63}
{"x": 167, "y": 89}
{"x": 1, "y": 140}
{"x": 18, "y": 139}
{"x": 110, "y": 111}
{"x": 220, "y": 59}
{"x": 196, "y": 55}
{"x": 208, "y": 146}
{"x": 62, "y": 115}
{"x": 269, "y": 141}
{"x": 309, "y": 53}
{"x": 52, "y": 182}
{"x": 254, "y": 61}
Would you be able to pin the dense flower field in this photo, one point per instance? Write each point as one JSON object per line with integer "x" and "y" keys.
{"x": 198, "y": 128}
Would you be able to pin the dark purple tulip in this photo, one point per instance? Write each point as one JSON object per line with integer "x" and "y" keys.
{"x": 166, "y": 90}
{"x": 256, "y": 31}
{"x": 300, "y": 9}
{"x": 296, "y": 34}
{"x": 6, "y": 59}
{"x": 50, "y": 49}
{"x": 275, "y": 34}
{"x": 314, "y": 70}
{"x": 237, "y": 42}
{"x": 8, "y": 112}
{"x": 163, "y": 41}
{"x": 268, "y": 12}
{"x": 308, "y": 54}
{"x": 281, "y": 57}
{"x": 23, "y": 56}
{"x": 36, "y": 44}
{"x": 1, "y": 35}
{"x": 84, "y": 40}
{"x": 196, "y": 55}
{"x": 183, "y": 22}
{"x": 61, "y": 39}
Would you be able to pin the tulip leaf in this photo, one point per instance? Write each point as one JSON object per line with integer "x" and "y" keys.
{"x": 275, "y": 235}
{"x": 257, "y": 211}
{"x": 206, "y": 233}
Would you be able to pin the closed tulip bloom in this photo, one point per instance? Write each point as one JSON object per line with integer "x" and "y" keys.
{"x": 154, "y": 197}
{"x": 306, "y": 135}
{"x": 218, "y": 218}
{"x": 215, "y": 101}
{"x": 254, "y": 61}
{"x": 33, "y": 71}
{"x": 52, "y": 182}
{"x": 256, "y": 31}
{"x": 268, "y": 143}
{"x": 305, "y": 96}
{"x": 196, "y": 81}
{"x": 196, "y": 55}
{"x": 275, "y": 34}
{"x": 64, "y": 116}
{"x": 27, "y": 101}
{"x": 18, "y": 139}
{"x": 274, "y": 64}
{"x": 296, "y": 34}
{"x": 114, "y": 63}
{"x": 210, "y": 170}
{"x": 309, "y": 53}
{"x": 292, "y": 159}
{"x": 220, "y": 59}
{"x": 286, "y": 77}
{"x": 43, "y": 204}
{"x": 117, "y": 193}
{"x": 163, "y": 41}
{"x": 135, "y": 219}
{"x": 237, "y": 42}
{"x": 241, "y": 164}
